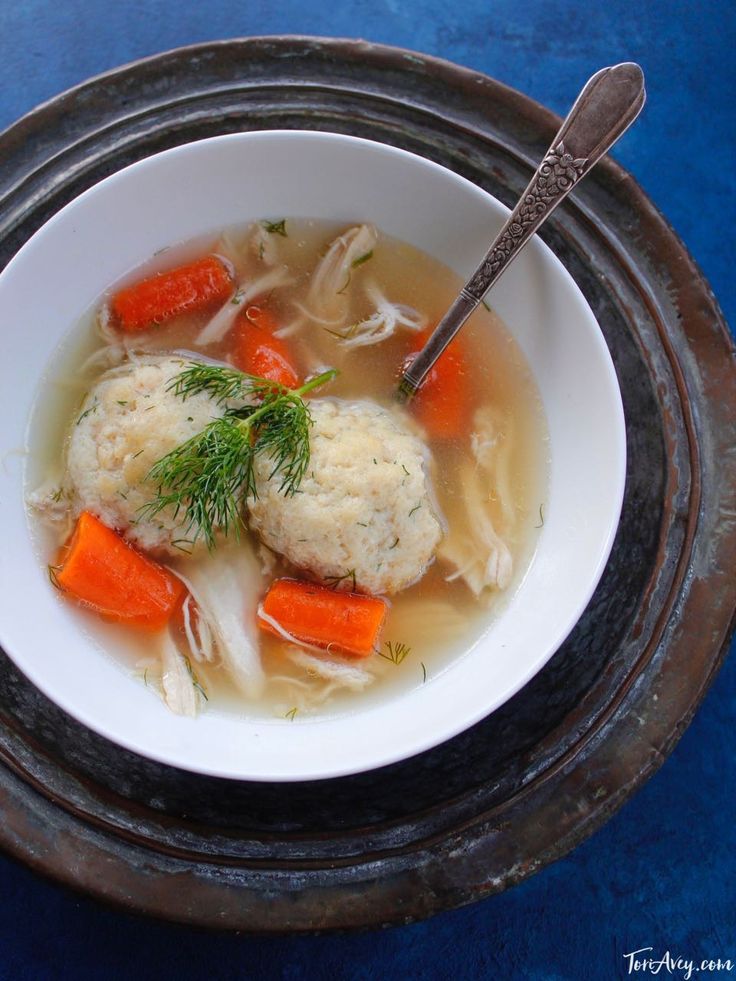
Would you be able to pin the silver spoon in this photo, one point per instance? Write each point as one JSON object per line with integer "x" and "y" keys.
{"x": 608, "y": 104}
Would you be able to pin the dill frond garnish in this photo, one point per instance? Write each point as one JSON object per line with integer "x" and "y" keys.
{"x": 276, "y": 227}
{"x": 361, "y": 259}
{"x": 334, "y": 581}
{"x": 184, "y": 545}
{"x": 208, "y": 478}
{"x": 396, "y": 651}
{"x": 54, "y": 571}
{"x": 343, "y": 335}
{"x": 424, "y": 672}
{"x": 195, "y": 680}
{"x": 541, "y": 516}
{"x": 415, "y": 508}
{"x": 358, "y": 261}
{"x": 291, "y": 714}
{"x": 92, "y": 408}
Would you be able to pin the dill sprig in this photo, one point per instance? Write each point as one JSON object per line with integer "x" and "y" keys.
{"x": 92, "y": 408}
{"x": 208, "y": 477}
{"x": 195, "y": 680}
{"x": 361, "y": 259}
{"x": 334, "y": 582}
{"x": 221, "y": 383}
{"x": 343, "y": 335}
{"x": 354, "y": 265}
{"x": 276, "y": 227}
{"x": 396, "y": 651}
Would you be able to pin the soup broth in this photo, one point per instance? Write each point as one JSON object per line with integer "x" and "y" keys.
{"x": 487, "y": 482}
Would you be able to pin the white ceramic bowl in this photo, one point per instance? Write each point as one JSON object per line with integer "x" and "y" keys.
{"x": 199, "y": 187}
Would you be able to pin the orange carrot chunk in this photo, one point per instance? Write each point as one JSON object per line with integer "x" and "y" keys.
{"x": 256, "y": 351}
{"x": 261, "y": 317}
{"x": 188, "y": 288}
{"x": 442, "y": 405}
{"x": 346, "y": 622}
{"x": 103, "y": 572}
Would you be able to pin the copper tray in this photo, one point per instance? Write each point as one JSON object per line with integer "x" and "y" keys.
{"x": 524, "y": 786}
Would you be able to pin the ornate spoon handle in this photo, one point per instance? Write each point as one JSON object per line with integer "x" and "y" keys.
{"x": 608, "y": 104}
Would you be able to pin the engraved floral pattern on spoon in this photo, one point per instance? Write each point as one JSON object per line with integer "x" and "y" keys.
{"x": 557, "y": 173}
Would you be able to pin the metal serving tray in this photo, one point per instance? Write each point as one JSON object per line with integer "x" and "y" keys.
{"x": 524, "y": 786}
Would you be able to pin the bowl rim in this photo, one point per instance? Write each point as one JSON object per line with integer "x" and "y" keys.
{"x": 427, "y": 741}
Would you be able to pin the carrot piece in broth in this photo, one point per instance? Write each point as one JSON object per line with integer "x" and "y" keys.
{"x": 159, "y": 298}
{"x": 106, "y": 574}
{"x": 443, "y": 404}
{"x": 346, "y": 622}
{"x": 256, "y": 351}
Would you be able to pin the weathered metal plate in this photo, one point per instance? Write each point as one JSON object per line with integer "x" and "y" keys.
{"x": 521, "y": 788}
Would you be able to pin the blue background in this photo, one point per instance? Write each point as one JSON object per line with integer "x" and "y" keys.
{"x": 662, "y": 872}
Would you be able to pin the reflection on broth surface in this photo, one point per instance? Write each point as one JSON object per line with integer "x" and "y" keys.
{"x": 405, "y": 527}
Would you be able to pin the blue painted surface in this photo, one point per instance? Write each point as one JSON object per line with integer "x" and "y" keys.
{"x": 662, "y": 873}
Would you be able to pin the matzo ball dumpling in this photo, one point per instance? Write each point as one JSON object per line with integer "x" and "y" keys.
{"x": 129, "y": 420}
{"x": 362, "y": 517}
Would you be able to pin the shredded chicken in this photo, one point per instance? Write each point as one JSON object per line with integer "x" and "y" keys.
{"x": 99, "y": 361}
{"x": 225, "y": 584}
{"x": 263, "y": 245}
{"x": 104, "y": 325}
{"x": 491, "y": 442}
{"x": 248, "y": 289}
{"x": 326, "y": 674}
{"x": 478, "y": 554}
{"x": 331, "y": 285}
{"x": 232, "y": 249}
{"x": 383, "y": 323}
{"x": 338, "y": 674}
{"x": 283, "y": 632}
{"x": 332, "y": 280}
{"x": 176, "y": 679}
{"x": 52, "y": 502}
{"x": 197, "y": 631}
